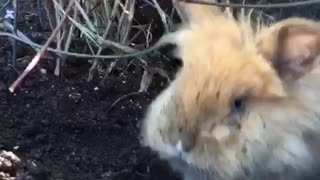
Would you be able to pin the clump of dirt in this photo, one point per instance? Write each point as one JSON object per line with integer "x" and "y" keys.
{"x": 9, "y": 164}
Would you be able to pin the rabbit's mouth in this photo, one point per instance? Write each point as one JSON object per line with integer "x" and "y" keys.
{"x": 179, "y": 154}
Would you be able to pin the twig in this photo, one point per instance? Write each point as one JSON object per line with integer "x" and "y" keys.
{"x": 162, "y": 14}
{"x": 14, "y": 48}
{"x": 40, "y": 16}
{"x": 26, "y": 40}
{"x": 5, "y": 5}
{"x": 109, "y": 14}
{"x": 131, "y": 52}
{"x": 11, "y": 15}
{"x": 59, "y": 38}
{"x": 257, "y": 6}
{"x": 121, "y": 98}
{"x": 36, "y": 59}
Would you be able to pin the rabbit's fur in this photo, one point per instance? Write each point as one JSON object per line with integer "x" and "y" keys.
{"x": 245, "y": 104}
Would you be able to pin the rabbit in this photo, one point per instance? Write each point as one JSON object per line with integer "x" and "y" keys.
{"x": 245, "y": 103}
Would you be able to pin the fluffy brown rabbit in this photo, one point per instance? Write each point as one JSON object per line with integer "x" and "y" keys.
{"x": 246, "y": 103}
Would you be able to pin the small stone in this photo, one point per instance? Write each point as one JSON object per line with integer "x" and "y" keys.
{"x": 43, "y": 71}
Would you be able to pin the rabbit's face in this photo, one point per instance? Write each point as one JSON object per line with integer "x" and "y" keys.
{"x": 211, "y": 116}
{"x": 230, "y": 110}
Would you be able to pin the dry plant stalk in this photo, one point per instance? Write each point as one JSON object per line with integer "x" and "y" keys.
{"x": 37, "y": 58}
{"x": 102, "y": 24}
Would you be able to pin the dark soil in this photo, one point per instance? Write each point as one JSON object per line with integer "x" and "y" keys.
{"x": 62, "y": 128}
{"x": 63, "y": 125}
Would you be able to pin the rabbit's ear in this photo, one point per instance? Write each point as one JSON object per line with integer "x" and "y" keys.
{"x": 292, "y": 46}
{"x": 192, "y": 12}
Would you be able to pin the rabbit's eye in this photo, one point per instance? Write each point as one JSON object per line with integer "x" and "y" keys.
{"x": 237, "y": 109}
{"x": 238, "y": 105}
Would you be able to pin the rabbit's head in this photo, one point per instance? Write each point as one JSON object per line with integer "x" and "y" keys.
{"x": 244, "y": 104}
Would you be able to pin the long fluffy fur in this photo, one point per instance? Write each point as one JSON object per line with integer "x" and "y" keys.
{"x": 279, "y": 135}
